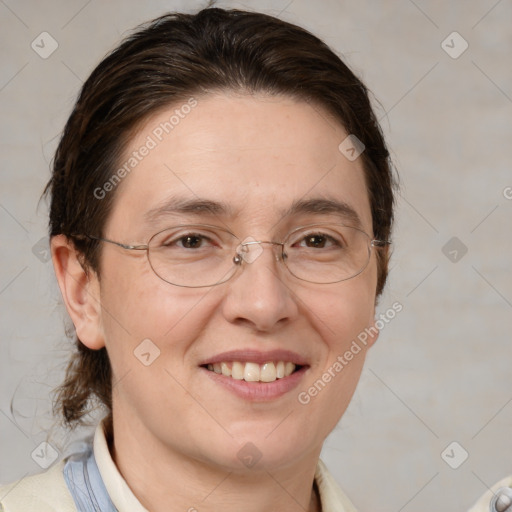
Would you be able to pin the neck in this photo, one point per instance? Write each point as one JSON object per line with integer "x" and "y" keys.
{"x": 166, "y": 481}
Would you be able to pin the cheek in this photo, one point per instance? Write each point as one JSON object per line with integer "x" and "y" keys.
{"x": 344, "y": 311}
{"x": 137, "y": 305}
{"x": 150, "y": 327}
{"x": 339, "y": 317}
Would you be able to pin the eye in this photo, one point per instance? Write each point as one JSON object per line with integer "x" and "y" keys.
{"x": 191, "y": 241}
{"x": 317, "y": 241}
{"x": 186, "y": 240}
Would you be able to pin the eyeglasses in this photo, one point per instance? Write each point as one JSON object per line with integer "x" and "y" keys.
{"x": 202, "y": 255}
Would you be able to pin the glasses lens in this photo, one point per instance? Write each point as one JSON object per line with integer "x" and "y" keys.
{"x": 193, "y": 255}
{"x": 197, "y": 256}
{"x": 327, "y": 253}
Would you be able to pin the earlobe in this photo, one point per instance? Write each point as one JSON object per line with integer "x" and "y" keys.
{"x": 80, "y": 291}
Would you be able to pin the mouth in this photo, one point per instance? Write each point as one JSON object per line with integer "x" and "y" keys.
{"x": 256, "y": 376}
{"x": 253, "y": 372}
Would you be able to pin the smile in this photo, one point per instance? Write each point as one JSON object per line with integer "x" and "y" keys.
{"x": 254, "y": 375}
{"x": 254, "y": 372}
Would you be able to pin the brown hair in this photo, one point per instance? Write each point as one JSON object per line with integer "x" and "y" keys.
{"x": 168, "y": 60}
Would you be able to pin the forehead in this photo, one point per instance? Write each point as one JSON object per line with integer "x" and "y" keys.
{"x": 256, "y": 155}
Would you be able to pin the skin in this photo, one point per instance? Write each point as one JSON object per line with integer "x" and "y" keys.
{"x": 176, "y": 434}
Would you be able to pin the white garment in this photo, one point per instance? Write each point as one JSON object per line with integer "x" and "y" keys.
{"x": 48, "y": 492}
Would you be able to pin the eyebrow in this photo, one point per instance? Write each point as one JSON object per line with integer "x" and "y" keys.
{"x": 199, "y": 207}
{"x": 324, "y": 206}
{"x": 177, "y": 205}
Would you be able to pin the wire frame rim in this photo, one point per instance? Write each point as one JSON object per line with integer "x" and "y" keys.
{"x": 238, "y": 264}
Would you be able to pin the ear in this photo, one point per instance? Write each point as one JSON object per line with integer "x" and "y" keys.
{"x": 80, "y": 291}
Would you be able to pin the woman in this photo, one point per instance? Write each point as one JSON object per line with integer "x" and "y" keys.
{"x": 221, "y": 210}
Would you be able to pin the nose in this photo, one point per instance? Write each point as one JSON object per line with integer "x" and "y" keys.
{"x": 258, "y": 295}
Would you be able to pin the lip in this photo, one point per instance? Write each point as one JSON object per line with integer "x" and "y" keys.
{"x": 258, "y": 391}
{"x": 256, "y": 356}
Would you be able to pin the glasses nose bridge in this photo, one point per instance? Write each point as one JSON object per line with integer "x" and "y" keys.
{"x": 259, "y": 242}
{"x": 250, "y": 249}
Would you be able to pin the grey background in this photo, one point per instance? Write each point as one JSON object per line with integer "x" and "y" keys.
{"x": 441, "y": 370}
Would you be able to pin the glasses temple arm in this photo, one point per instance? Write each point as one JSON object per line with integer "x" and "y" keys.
{"x": 131, "y": 247}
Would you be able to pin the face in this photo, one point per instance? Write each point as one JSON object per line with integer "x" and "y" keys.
{"x": 254, "y": 157}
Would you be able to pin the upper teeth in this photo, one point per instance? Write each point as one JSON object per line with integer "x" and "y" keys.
{"x": 254, "y": 372}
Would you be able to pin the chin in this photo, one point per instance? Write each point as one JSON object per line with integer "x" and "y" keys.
{"x": 258, "y": 448}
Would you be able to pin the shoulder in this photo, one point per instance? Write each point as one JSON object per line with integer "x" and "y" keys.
{"x": 44, "y": 492}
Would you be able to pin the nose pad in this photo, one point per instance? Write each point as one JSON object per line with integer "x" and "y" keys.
{"x": 250, "y": 250}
